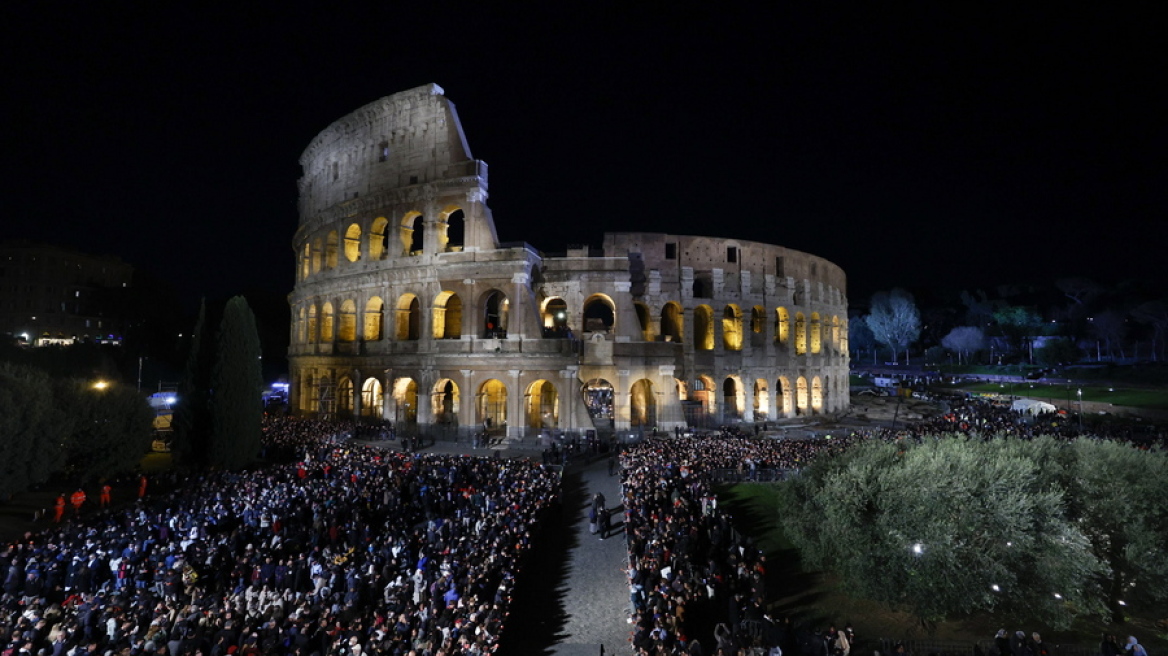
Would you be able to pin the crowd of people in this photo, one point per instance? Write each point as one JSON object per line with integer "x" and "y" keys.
{"x": 348, "y": 551}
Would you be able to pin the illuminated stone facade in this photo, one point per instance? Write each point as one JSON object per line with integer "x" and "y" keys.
{"x": 407, "y": 308}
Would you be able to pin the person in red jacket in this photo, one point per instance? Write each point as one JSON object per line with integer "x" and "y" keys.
{"x": 104, "y": 499}
{"x": 77, "y": 499}
{"x": 59, "y": 509}
{"x": 142, "y": 486}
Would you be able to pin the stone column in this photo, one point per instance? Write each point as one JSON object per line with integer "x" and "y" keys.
{"x": 514, "y": 404}
{"x": 575, "y": 416}
{"x": 389, "y": 406}
{"x": 622, "y": 418}
{"x": 466, "y": 402}
{"x": 358, "y": 386}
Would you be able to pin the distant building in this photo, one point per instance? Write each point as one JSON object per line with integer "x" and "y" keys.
{"x": 408, "y": 308}
{"x": 55, "y": 295}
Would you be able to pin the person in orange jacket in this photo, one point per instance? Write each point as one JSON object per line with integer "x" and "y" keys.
{"x": 59, "y": 509}
{"x": 77, "y": 499}
{"x": 104, "y": 499}
{"x": 142, "y": 486}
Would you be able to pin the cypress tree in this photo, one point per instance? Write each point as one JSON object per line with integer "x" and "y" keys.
{"x": 192, "y": 412}
{"x": 236, "y": 384}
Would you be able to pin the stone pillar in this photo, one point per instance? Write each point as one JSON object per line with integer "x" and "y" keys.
{"x": 358, "y": 386}
{"x": 466, "y": 401}
{"x": 628, "y": 328}
{"x": 621, "y": 415}
{"x": 748, "y": 401}
{"x": 514, "y": 404}
{"x": 575, "y": 416}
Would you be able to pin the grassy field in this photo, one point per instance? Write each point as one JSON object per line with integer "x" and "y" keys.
{"x": 820, "y": 599}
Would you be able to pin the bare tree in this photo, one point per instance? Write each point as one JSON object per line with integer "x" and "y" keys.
{"x": 1154, "y": 313}
{"x": 1111, "y": 327}
{"x": 894, "y": 321}
{"x": 965, "y": 341}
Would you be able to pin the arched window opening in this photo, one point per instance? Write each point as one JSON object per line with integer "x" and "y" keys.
{"x": 801, "y": 396}
{"x": 492, "y": 406}
{"x": 327, "y": 332}
{"x": 645, "y": 321}
{"x": 816, "y": 395}
{"x": 782, "y": 326}
{"x": 348, "y": 327}
{"x": 409, "y": 318}
{"x": 302, "y": 328}
{"x": 703, "y": 328}
{"x": 598, "y": 315}
{"x": 702, "y": 288}
{"x": 344, "y": 399}
{"x": 306, "y": 261}
{"x": 308, "y": 394}
{"x": 313, "y": 336}
{"x": 453, "y": 229}
{"x": 372, "y": 399}
{"x": 816, "y": 333}
{"x": 835, "y": 334}
{"x": 542, "y": 405}
{"x": 353, "y": 243}
{"x": 444, "y": 402}
{"x": 732, "y": 328}
{"x": 374, "y": 319}
{"x": 643, "y": 404}
{"x": 495, "y": 310}
{"x": 405, "y": 401}
{"x": 412, "y": 228}
{"x": 762, "y": 400}
{"x": 800, "y": 334}
{"x": 758, "y": 326}
{"x": 555, "y": 318}
{"x": 331, "y": 244}
{"x": 671, "y": 322}
{"x": 732, "y": 398}
{"x": 447, "y": 320}
{"x": 379, "y": 238}
{"x": 785, "y": 398}
{"x": 598, "y": 399}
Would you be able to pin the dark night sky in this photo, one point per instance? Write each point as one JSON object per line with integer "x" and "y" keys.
{"x": 933, "y": 147}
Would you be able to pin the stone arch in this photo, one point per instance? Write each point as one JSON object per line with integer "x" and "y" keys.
{"x": 347, "y": 331}
{"x": 379, "y": 238}
{"x": 405, "y": 398}
{"x": 757, "y": 326}
{"x": 331, "y": 246}
{"x": 704, "y": 393}
{"x": 800, "y": 334}
{"x": 786, "y": 397}
{"x": 353, "y": 242}
{"x": 495, "y": 310}
{"x": 412, "y": 230}
{"x": 374, "y": 319}
{"x": 451, "y": 229}
{"x": 444, "y": 401}
{"x": 409, "y": 318}
{"x": 302, "y": 327}
{"x": 598, "y": 399}
{"x": 642, "y": 404}
{"x": 844, "y": 336}
{"x": 732, "y": 328}
{"x": 783, "y": 326}
{"x": 372, "y": 398}
{"x": 555, "y": 317}
{"x": 306, "y": 261}
{"x": 492, "y": 405}
{"x": 447, "y": 319}
{"x": 541, "y": 405}
{"x": 703, "y": 328}
{"x": 599, "y": 314}
{"x": 308, "y": 393}
{"x": 762, "y": 399}
{"x": 682, "y": 389}
{"x": 327, "y": 331}
{"x": 816, "y": 333}
{"x": 644, "y": 320}
{"x": 733, "y": 398}
{"x": 835, "y": 333}
{"x": 817, "y": 395}
{"x": 801, "y": 404}
{"x": 313, "y": 335}
{"x": 344, "y": 396}
{"x": 672, "y": 322}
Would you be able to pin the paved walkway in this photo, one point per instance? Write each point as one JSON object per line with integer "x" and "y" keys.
{"x": 597, "y": 602}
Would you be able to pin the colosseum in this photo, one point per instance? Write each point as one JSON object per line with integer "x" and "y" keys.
{"x": 408, "y": 309}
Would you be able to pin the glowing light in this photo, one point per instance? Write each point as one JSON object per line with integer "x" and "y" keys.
{"x": 171, "y": 399}
{"x": 995, "y": 588}
{"x": 101, "y": 384}
{"x": 918, "y": 548}
{"x": 1057, "y": 596}
{"x": 1122, "y": 602}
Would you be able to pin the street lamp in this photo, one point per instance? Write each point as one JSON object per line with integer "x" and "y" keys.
{"x": 100, "y": 385}
{"x": 1080, "y": 410}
